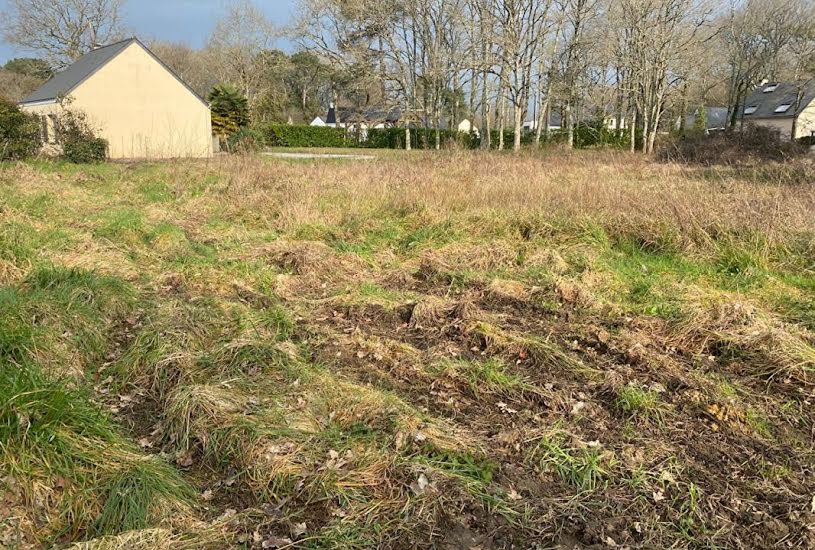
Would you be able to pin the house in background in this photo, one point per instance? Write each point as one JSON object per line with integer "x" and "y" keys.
{"x": 715, "y": 119}
{"x": 466, "y": 127}
{"x": 318, "y": 121}
{"x": 554, "y": 123}
{"x": 782, "y": 107}
{"x": 134, "y": 101}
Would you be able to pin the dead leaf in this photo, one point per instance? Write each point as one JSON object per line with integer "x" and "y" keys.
{"x": 276, "y": 542}
{"x": 420, "y": 485}
{"x": 184, "y": 460}
{"x": 299, "y": 529}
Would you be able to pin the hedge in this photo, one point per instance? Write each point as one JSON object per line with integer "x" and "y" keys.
{"x": 420, "y": 138}
{"x": 286, "y": 135}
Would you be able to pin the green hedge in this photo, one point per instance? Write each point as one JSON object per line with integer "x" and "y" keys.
{"x": 420, "y": 138}
{"x": 286, "y": 135}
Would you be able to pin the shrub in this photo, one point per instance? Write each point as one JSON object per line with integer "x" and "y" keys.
{"x": 80, "y": 143}
{"x": 230, "y": 110}
{"x": 246, "y": 140}
{"x": 19, "y": 132}
{"x": 753, "y": 143}
{"x": 286, "y": 135}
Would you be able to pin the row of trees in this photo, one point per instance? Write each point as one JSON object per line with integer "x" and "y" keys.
{"x": 635, "y": 60}
{"x": 641, "y": 63}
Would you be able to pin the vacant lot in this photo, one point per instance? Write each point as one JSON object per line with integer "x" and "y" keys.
{"x": 453, "y": 350}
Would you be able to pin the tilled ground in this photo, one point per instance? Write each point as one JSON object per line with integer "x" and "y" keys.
{"x": 585, "y": 468}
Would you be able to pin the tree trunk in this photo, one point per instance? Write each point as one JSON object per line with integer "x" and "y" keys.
{"x": 633, "y": 130}
{"x": 567, "y": 120}
{"x": 519, "y": 115}
{"x": 502, "y": 113}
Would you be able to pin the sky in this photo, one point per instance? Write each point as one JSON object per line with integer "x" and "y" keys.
{"x": 187, "y": 21}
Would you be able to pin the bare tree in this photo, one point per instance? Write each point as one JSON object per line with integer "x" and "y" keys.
{"x": 235, "y": 48}
{"x": 62, "y": 30}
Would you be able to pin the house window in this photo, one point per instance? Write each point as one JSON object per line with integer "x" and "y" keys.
{"x": 750, "y": 110}
{"x": 783, "y": 108}
{"x": 770, "y": 88}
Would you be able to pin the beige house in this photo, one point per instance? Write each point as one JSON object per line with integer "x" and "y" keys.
{"x": 134, "y": 101}
{"x": 782, "y": 106}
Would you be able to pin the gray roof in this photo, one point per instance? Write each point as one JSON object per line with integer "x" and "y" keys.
{"x": 62, "y": 83}
{"x": 785, "y": 93}
{"x": 83, "y": 68}
{"x": 367, "y": 114}
{"x": 716, "y": 118}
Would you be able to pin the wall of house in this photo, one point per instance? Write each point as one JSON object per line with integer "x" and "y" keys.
{"x": 782, "y": 125}
{"x": 806, "y": 122}
{"x": 142, "y": 109}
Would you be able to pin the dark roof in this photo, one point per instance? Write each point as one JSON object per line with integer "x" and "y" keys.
{"x": 716, "y": 118}
{"x": 554, "y": 120}
{"x": 785, "y": 93}
{"x": 75, "y": 74}
{"x": 331, "y": 118}
{"x": 367, "y": 114}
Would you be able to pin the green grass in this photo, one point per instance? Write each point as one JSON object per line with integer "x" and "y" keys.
{"x": 639, "y": 402}
{"x": 587, "y": 469}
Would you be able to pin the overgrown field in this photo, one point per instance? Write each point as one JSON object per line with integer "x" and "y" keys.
{"x": 457, "y": 350}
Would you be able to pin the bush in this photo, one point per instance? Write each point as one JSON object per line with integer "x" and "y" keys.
{"x": 754, "y": 143}
{"x": 246, "y": 140}
{"x": 80, "y": 144}
{"x": 286, "y": 135}
{"x": 230, "y": 110}
{"x": 420, "y": 138}
{"x": 19, "y": 132}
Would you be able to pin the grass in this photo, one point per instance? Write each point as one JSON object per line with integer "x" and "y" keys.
{"x": 639, "y": 402}
{"x": 440, "y": 350}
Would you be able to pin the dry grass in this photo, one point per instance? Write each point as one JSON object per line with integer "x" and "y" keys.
{"x": 453, "y": 350}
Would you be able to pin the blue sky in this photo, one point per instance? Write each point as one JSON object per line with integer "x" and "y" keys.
{"x": 188, "y": 21}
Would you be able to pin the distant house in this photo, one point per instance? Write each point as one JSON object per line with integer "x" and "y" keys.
{"x": 467, "y": 127}
{"x": 137, "y": 103}
{"x": 365, "y": 117}
{"x": 554, "y": 123}
{"x": 782, "y": 106}
{"x": 318, "y": 121}
{"x": 715, "y": 119}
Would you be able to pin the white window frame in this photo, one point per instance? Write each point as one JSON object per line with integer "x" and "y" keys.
{"x": 783, "y": 108}
{"x": 750, "y": 109}
{"x": 770, "y": 88}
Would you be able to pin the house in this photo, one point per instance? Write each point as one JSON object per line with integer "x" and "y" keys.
{"x": 360, "y": 120}
{"x": 782, "y": 107}
{"x": 466, "y": 127}
{"x": 715, "y": 119}
{"x": 318, "y": 121}
{"x": 133, "y": 100}
{"x": 554, "y": 123}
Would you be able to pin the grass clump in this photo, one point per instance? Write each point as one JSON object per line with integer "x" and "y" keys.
{"x": 634, "y": 400}
{"x": 586, "y": 468}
